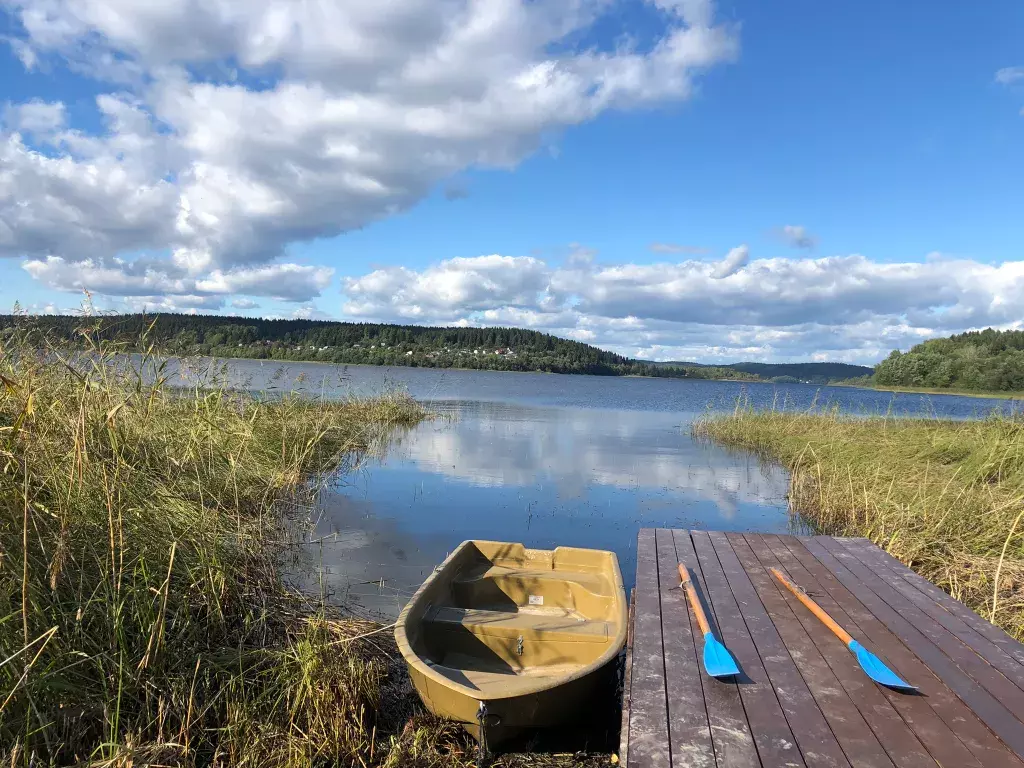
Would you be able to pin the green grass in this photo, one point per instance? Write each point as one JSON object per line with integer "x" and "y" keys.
{"x": 944, "y": 497}
{"x": 143, "y": 618}
{"x": 934, "y": 391}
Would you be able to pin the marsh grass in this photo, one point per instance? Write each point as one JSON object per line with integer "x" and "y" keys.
{"x": 142, "y": 615}
{"x": 944, "y": 497}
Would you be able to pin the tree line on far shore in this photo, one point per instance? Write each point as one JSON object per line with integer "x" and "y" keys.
{"x": 984, "y": 361}
{"x": 501, "y": 349}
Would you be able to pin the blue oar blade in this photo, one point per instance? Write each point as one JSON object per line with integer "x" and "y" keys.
{"x": 718, "y": 662}
{"x": 876, "y": 670}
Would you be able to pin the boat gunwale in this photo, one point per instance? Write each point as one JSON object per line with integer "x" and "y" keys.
{"x": 413, "y": 659}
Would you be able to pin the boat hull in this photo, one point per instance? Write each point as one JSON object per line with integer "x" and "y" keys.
{"x": 511, "y": 638}
{"x": 509, "y": 717}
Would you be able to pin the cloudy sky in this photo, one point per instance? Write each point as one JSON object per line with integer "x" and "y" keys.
{"x": 670, "y": 179}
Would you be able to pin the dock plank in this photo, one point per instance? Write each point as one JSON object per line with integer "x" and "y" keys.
{"x": 689, "y": 730}
{"x": 978, "y": 668}
{"x": 994, "y": 715}
{"x": 648, "y": 724}
{"x": 776, "y": 744}
{"x": 803, "y": 716}
{"x": 978, "y": 623}
{"x": 939, "y": 718}
{"x": 730, "y": 730}
{"x": 993, "y": 653}
{"x": 900, "y": 742}
{"x": 852, "y": 731}
{"x": 802, "y": 699}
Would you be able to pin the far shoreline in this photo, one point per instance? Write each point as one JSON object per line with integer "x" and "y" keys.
{"x": 934, "y": 391}
{"x": 895, "y": 390}
{"x": 285, "y": 362}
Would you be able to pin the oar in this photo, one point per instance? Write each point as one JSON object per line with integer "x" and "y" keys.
{"x": 718, "y": 662}
{"x": 870, "y": 663}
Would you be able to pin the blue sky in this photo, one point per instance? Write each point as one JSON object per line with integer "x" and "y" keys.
{"x": 672, "y": 179}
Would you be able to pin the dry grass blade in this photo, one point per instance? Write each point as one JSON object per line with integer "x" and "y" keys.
{"x": 944, "y": 497}
{"x": 141, "y": 526}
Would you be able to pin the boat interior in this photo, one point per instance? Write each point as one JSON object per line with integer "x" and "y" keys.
{"x": 504, "y": 618}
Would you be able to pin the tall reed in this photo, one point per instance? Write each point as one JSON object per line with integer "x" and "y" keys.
{"x": 142, "y": 616}
{"x": 944, "y": 497}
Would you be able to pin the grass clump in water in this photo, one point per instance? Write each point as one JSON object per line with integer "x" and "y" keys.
{"x": 142, "y": 616}
{"x": 944, "y": 497}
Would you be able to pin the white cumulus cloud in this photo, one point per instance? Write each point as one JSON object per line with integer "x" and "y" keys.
{"x": 733, "y": 262}
{"x": 234, "y": 128}
{"x": 450, "y": 288}
{"x": 841, "y": 307}
{"x": 35, "y": 117}
{"x": 152, "y": 277}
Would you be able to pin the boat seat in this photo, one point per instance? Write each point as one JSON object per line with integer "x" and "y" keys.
{"x": 593, "y": 582}
{"x": 506, "y": 588}
{"x": 555, "y": 625}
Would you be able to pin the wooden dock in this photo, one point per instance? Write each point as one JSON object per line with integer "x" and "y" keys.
{"x": 802, "y": 700}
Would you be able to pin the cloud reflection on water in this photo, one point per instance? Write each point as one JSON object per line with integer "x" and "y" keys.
{"x": 544, "y": 476}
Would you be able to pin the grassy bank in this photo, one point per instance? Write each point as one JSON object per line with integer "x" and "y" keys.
{"x": 935, "y": 391}
{"x": 944, "y": 497}
{"x": 142, "y": 618}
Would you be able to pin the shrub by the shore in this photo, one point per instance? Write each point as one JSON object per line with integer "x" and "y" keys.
{"x": 944, "y": 497}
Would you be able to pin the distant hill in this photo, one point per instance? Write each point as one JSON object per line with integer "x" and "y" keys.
{"x": 813, "y": 373}
{"x": 983, "y": 361}
{"x": 504, "y": 349}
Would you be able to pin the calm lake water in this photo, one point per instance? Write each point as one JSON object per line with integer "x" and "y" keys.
{"x": 547, "y": 460}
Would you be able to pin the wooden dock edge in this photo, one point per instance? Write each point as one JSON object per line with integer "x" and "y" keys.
{"x": 626, "y": 683}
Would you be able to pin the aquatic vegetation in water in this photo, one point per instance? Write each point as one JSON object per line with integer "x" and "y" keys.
{"x": 944, "y": 497}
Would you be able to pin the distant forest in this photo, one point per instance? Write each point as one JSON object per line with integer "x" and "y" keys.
{"x": 989, "y": 360}
{"x": 502, "y": 349}
{"x": 808, "y": 373}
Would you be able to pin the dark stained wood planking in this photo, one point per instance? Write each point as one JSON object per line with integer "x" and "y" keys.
{"x": 730, "y": 730}
{"x": 983, "y": 627}
{"x": 889, "y": 728}
{"x": 983, "y": 673}
{"x": 852, "y": 732}
{"x": 776, "y": 744}
{"x": 965, "y": 659}
{"x": 942, "y": 721}
{"x": 991, "y": 652}
{"x": 689, "y": 732}
{"x": 995, "y": 716}
{"x": 802, "y": 688}
{"x": 627, "y": 673}
{"x": 648, "y": 714}
{"x": 812, "y": 732}
{"x": 956, "y": 716}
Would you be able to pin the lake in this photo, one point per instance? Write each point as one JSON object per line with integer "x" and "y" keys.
{"x": 546, "y": 460}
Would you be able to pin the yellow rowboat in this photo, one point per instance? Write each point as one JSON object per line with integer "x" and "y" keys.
{"x": 502, "y": 638}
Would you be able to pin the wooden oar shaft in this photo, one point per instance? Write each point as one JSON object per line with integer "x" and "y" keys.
{"x": 691, "y": 593}
{"x": 813, "y": 607}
